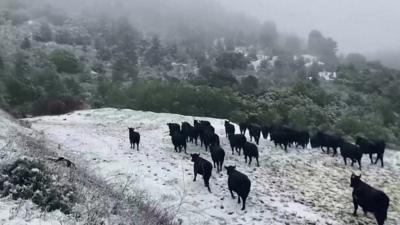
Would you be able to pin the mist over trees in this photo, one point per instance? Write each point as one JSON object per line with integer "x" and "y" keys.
{"x": 190, "y": 57}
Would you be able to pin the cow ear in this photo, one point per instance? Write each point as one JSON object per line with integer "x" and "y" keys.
{"x": 226, "y": 167}
{"x": 359, "y": 177}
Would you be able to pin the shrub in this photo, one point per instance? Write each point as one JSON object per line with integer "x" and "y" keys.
{"x": 29, "y": 179}
{"x": 66, "y": 62}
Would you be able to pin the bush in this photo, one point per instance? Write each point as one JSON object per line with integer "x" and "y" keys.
{"x": 66, "y": 62}
{"x": 29, "y": 179}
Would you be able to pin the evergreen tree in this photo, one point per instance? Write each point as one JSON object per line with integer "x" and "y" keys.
{"x": 45, "y": 34}
{"x": 26, "y": 44}
{"x": 153, "y": 55}
{"x": 21, "y": 67}
{"x": 324, "y": 48}
{"x": 268, "y": 34}
{"x": 249, "y": 85}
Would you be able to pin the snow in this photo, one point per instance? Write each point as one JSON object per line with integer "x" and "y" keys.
{"x": 329, "y": 76}
{"x": 257, "y": 63}
{"x": 299, "y": 187}
{"x": 23, "y": 212}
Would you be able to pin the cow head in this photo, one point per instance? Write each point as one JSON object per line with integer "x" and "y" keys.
{"x": 230, "y": 169}
{"x": 354, "y": 180}
{"x": 195, "y": 157}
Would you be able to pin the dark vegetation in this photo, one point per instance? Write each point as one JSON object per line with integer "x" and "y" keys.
{"x": 28, "y": 179}
{"x": 88, "y": 60}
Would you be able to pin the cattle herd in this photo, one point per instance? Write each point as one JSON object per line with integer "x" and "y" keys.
{"x": 203, "y": 133}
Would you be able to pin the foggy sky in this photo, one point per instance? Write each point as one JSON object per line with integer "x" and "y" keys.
{"x": 363, "y": 26}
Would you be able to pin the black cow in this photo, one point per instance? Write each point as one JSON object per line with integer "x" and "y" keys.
{"x": 265, "y": 130}
{"x": 369, "y": 198}
{"x": 243, "y": 127}
{"x": 134, "y": 138}
{"x": 250, "y": 150}
{"x": 237, "y": 142}
{"x": 210, "y": 139}
{"x": 202, "y": 127}
{"x": 348, "y": 150}
{"x": 229, "y": 128}
{"x": 173, "y": 127}
{"x": 301, "y": 138}
{"x": 185, "y": 128}
{"x": 255, "y": 132}
{"x": 190, "y": 132}
{"x": 217, "y": 156}
{"x": 239, "y": 183}
{"x": 179, "y": 141}
{"x": 281, "y": 137}
{"x": 372, "y": 147}
{"x": 203, "y": 167}
{"x": 322, "y": 139}
{"x": 205, "y": 123}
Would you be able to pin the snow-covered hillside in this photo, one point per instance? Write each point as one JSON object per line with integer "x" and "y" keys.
{"x": 299, "y": 187}
{"x": 13, "y": 145}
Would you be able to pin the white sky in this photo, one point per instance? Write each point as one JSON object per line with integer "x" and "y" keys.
{"x": 361, "y": 26}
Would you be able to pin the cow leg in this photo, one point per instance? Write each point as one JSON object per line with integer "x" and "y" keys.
{"x": 359, "y": 163}
{"x": 250, "y": 159}
{"x": 245, "y": 158}
{"x": 345, "y": 160}
{"x": 352, "y": 162}
{"x": 239, "y": 199}
{"x": 380, "y": 218}
{"x": 233, "y": 196}
{"x": 137, "y": 146}
{"x": 214, "y": 163}
{"x": 258, "y": 164}
{"x": 334, "y": 152}
{"x": 233, "y": 152}
{"x": 355, "y": 206}
{"x": 207, "y": 184}
{"x": 370, "y": 156}
{"x": 195, "y": 175}
{"x": 244, "y": 203}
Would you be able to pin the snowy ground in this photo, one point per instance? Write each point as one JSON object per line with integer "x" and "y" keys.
{"x": 299, "y": 187}
{"x": 21, "y": 212}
